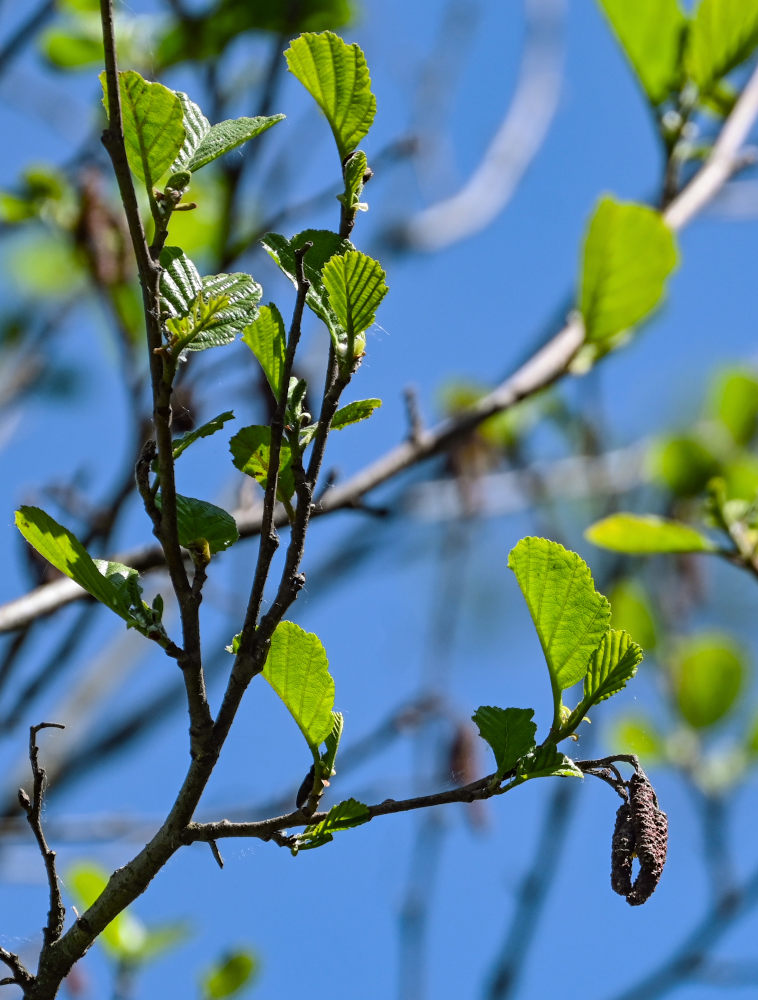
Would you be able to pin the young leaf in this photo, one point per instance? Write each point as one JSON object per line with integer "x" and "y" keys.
{"x": 251, "y": 449}
{"x": 298, "y": 670}
{"x": 570, "y": 616}
{"x": 509, "y": 731}
{"x": 650, "y": 33}
{"x": 198, "y": 521}
{"x": 233, "y": 973}
{"x": 356, "y": 286}
{"x": 343, "y": 816}
{"x": 196, "y": 127}
{"x": 547, "y": 762}
{"x": 613, "y": 663}
{"x": 355, "y": 169}
{"x": 361, "y": 409}
{"x": 225, "y": 136}
{"x": 242, "y": 296}
{"x": 114, "y": 586}
{"x": 734, "y": 402}
{"x": 723, "y": 34}
{"x": 629, "y": 251}
{"x": 332, "y": 744}
{"x": 267, "y": 339}
{"x": 180, "y": 282}
{"x": 153, "y": 120}
{"x": 325, "y": 245}
{"x": 637, "y": 734}
{"x": 182, "y": 443}
{"x": 125, "y": 936}
{"x": 709, "y": 673}
{"x": 336, "y": 76}
{"x": 645, "y": 535}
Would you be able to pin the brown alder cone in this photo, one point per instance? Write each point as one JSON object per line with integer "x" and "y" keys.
{"x": 641, "y": 831}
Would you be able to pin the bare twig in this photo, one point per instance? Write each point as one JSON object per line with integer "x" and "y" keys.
{"x": 33, "y": 809}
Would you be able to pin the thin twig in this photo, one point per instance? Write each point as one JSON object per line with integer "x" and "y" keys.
{"x": 33, "y": 809}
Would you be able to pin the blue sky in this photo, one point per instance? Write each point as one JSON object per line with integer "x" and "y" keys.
{"x": 328, "y": 919}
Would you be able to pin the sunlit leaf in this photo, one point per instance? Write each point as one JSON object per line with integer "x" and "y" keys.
{"x": 336, "y": 76}
{"x": 650, "y": 33}
{"x": 629, "y": 251}
{"x": 547, "y": 762}
{"x": 723, "y": 34}
{"x": 343, "y": 816}
{"x": 361, "y": 409}
{"x": 325, "y": 245}
{"x": 612, "y": 664}
{"x": 153, "y": 125}
{"x": 734, "y": 402}
{"x": 298, "y": 670}
{"x": 356, "y": 286}
{"x": 709, "y": 674}
{"x": 570, "y": 616}
{"x": 125, "y": 936}
{"x": 646, "y": 534}
{"x": 226, "y": 136}
{"x": 233, "y": 973}
{"x": 267, "y": 339}
{"x": 632, "y": 611}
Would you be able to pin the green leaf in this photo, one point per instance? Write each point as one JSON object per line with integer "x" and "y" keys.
{"x": 298, "y": 670}
{"x": 267, "y": 339}
{"x": 325, "y": 245}
{"x": 251, "y": 449}
{"x": 234, "y": 972}
{"x": 125, "y": 936}
{"x": 361, "y": 409}
{"x": 206, "y": 35}
{"x": 570, "y": 616}
{"x": 115, "y": 585}
{"x": 631, "y": 611}
{"x": 356, "y": 286}
{"x": 509, "y": 731}
{"x": 637, "y": 734}
{"x": 332, "y": 744}
{"x": 613, "y": 663}
{"x": 336, "y": 76}
{"x": 734, "y": 402}
{"x": 241, "y": 294}
{"x": 153, "y": 125}
{"x": 75, "y": 46}
{"x": 684, "y": 464}
{"x": 547, "y": 762}
{"x": 709, "y": 673}
{"x": 198, "y": 521}
{"x": 204, "y": 312}
{"x": 182, "y": 443}
{"x": 646, "y": 534}
{"x": 180, "y": 282}
{"x": 650, "y": 33}
{"x": 723, "y": 34}
{"x": 226, "y": 136}
{"x": 629, "y": 251}
{"x": 196, "y": 127}
{"x": 355, "y": 169}
{"x": 343, "y": 816}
